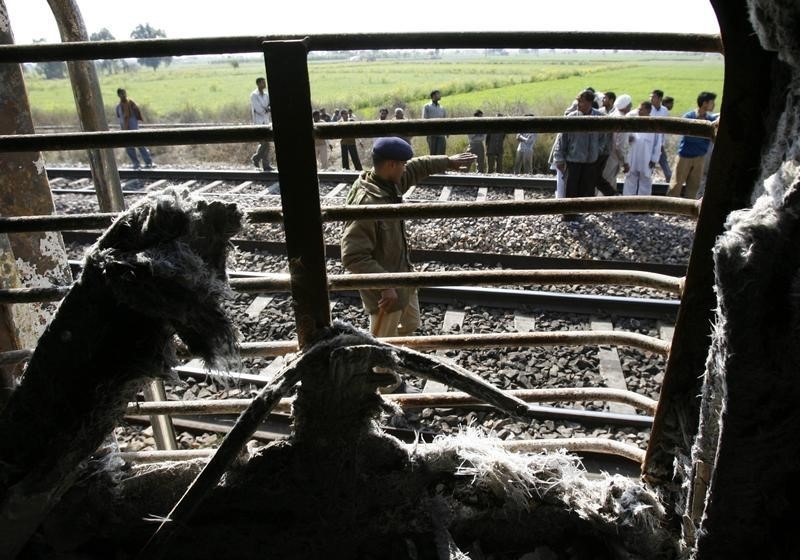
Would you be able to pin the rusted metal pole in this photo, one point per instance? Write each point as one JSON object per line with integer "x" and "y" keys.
{"x": 572, "y": 445}
{"x": 411, "y": 400}
{"x": 453, "y": 341}
{"x": 423, "y": 210}
{"x": 290, "y": 99}
{"x": 344, "y": 282}
{"x": 89, "y": 102}
{"x": 419, "y": 127}
{"x": 29, "y": 259}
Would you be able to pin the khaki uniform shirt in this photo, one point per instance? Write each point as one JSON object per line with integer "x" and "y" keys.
{"x": 379, "y": 246}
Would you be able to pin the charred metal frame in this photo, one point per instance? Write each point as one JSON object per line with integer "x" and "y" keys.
{"x": 733, "y": 166}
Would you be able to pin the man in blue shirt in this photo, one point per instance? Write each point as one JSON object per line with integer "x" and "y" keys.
{"x": 692, "y": 150}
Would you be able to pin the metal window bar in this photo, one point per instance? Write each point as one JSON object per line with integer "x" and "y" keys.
{"x": 503, "y": 208}
{"x": 575, "y": 445}
{"x": 345, "y": 282}
{"x": 275, "y": 348}
{"x": 414, "y": 127}
{"x": 411, "y": 400}
{"x": 87, "y": 50}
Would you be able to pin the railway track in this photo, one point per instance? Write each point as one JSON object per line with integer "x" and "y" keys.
{"x": 267, "y": 317}
{"x": 66, "y": 180}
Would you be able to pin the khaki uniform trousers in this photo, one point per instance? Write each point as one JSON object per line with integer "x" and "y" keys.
{"x": 397, "y": 323}
{"x": 689, "y": 171}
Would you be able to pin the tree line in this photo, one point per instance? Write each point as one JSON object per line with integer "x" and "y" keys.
{"x": 56, "y": 70}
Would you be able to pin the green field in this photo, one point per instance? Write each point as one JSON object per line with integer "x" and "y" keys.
{"x": 218, "y": 92}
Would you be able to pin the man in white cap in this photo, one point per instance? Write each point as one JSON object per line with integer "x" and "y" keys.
{"x": 379, "y": 246}
{"x": 618, "y": 149}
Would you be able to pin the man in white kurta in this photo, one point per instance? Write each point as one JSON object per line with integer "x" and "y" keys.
{"x": 618, "y": 150}
{"x": 644, "y": 149}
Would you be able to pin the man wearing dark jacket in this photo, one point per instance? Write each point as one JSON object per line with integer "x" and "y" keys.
{"x": 380, "y": 246}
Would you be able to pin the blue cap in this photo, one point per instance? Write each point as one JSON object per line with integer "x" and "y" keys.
{"x": 392, "y": 148}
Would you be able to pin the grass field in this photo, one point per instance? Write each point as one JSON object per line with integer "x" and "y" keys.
{"x": 218, "y": 92}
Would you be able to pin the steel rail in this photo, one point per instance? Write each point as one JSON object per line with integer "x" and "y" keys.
{"x": 551, "y": 301}
{"x": 88, "y": 50}
{"x": 228, "y": 175}
{"x": 410, "y": 127}
{"x": 572, "y": 445}
{"x": 410, "y": 400}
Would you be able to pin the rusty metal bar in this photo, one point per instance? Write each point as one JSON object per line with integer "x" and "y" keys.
{"x": 12, "y": 357}
{"x": 501, "y": 208}
{"x": 19, "y": 224}
{"x": 33, "y": 295}
{"x": 467, "y": 125}
{"x": 573, "y": 445}
{"x": 487, "y": 340}
{"x": 752, "y": 79}
{"x": 290, "y": 100}
{"x": 412, "y": 127}
{"x": 164, "y": 456}
{"x": 576, "y": 445}
{"x": 273, "y": 348}
{"x": 679, "y": 42}
{"x": 343, "y": 282}
{"x": 411, "y": 400}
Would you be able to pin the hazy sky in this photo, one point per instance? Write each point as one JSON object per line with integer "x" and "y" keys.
{"x": 32, "y": 19}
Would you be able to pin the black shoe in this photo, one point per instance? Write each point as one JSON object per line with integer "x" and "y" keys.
{"x": 150, "y": 166}
{"x": 269, "y": 168}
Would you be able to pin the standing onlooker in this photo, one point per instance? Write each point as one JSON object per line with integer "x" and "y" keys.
{"x": 377, "y": 246}
{"x": 437, "y": 144}
{"x": 660, "y": 110}
{"x": 320, "y": 144}
{"x": 400, "y": 115}
{"x": 383, "y": 114}
{"x": 618, "y": 148}
{"x": 494, "y": 150}
{"x": 692, "y": 150}
{"x": 663, "y": 161}
{"x": 643, "y": 153}
{"x": 337, "y": 115}
{"x": 577, "y": 152}
{"x": 524, "y": 156}
{"x": 129, "y": 117}
{"x": 607, "y": 104}
{"x": 606, "y": 108}
{"x": 349, "y": 148}
{"x": 260, "y": 114}
{"x": 323, "y": 116}
{"x": 477, "y": 146}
